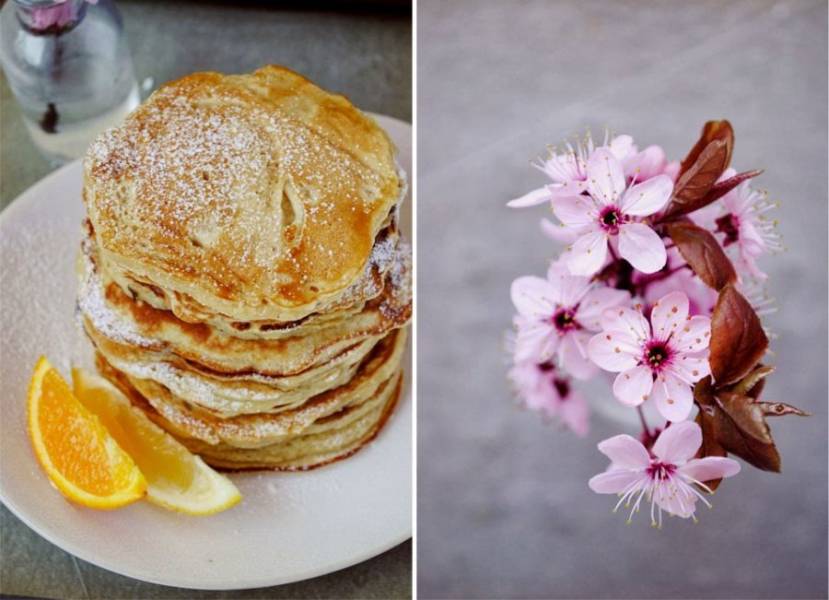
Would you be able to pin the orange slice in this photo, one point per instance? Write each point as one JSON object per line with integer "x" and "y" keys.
{"x": 176, "y": 478}
{"x": 78, "y": 454}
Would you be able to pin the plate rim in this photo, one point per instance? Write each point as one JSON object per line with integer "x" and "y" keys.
{"x": 24, "y": 199}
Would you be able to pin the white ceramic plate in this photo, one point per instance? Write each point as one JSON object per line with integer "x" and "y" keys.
{"x": 290, "y": 526}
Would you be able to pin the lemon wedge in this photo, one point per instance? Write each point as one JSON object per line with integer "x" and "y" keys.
{"x": 176, "y": 478}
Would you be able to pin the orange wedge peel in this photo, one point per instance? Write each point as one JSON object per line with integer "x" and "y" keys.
{"x": 100, "y": 451}
{"x": 80, "y": 457}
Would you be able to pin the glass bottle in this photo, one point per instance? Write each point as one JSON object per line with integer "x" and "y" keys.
{"x": 68, "y": 64}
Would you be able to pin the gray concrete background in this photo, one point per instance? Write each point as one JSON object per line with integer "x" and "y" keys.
{"x": 504, "y": 508}
{"x": 365, "y": 54}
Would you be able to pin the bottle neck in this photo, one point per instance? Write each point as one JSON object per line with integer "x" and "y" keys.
{"x": 50, "y": 17}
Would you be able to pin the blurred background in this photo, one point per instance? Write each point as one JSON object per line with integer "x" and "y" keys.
{"x": 504, "y": 508}
{"x": 360, "y": 49}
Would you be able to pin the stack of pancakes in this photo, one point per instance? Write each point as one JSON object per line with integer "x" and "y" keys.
{"x": 242, "y": 276}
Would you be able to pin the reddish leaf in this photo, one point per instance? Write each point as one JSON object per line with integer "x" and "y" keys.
{"x": 753, "y": 383}
{"x": 706, "y": 420}
{"x": 738, "y": 341}
{"x": 703, "y": 253}
{"x": 712, "y": 130}
{"x": 780, "y": 409}
{"x": 742, "y": 430}
{"x": 720, "y": 189}
{"x": 698, "y": 173}
{"x": 735, "y": 423}
{"x": 691, "y": 188}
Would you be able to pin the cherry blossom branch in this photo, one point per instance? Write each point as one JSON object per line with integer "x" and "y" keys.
{"x": 647, "y": 315}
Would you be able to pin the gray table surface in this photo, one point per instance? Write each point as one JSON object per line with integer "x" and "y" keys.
{"x": 363, "y": 54}
{"x": 503, "y": 504}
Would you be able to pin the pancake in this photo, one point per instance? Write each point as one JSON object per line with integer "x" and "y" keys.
{"x": 307, "y": 451}
{"x": 330, "y": 438}
{"x": 386, "y": 252}
{"x": 262, "y": 429}
{"x": 158, "y": 335}
{"x": 259, "y": 196}
{"x": 242, "y": 276}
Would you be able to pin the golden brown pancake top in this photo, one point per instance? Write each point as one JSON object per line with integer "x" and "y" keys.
{"x": 260, "y": 195}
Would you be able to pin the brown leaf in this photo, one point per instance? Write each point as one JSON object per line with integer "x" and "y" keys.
{"x": 712, "y": 130}
{"x": 735, "y": 423}
{"x": 720, "y": 189}
{"x": 691, "y": 188}
{"x": 703, "y": 253}
{"x": 738, "y": 341}
{"x": 780, "y": 409}
{"x": 741, "y": 429}
{"x": 753, "y": 383}
{"x": 706, "y": 420}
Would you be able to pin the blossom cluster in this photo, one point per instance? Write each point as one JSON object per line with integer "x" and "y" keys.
{"x": 653, "y": 287}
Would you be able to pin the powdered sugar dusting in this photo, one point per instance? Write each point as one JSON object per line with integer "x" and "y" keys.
{"x": 232, "y": 190}
{"x": 93, "y": 305}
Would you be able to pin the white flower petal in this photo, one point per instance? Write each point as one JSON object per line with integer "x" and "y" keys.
{"x": 632, "y": 387}
{"x": 673, "y": 397}
{"x": 622, "y": 147}
{"x": 587, "y": 254}
{"x": 615, "y": 481}
{"x": 690, "y": 368}
{"x": 549, "y": 347}
{"x": 560, "y": 232}
{"x": 596, "y": 302}
{"x": 669, "y": 315}
{"x": 532, "y": 198}
{"x": 572, "y": 360}
{"x": 627, "y": 320}
{"x": 625, "y": 451}
{"x": 572, "y": 187}
{"x": 648, "y": 163}
{"x": 532, "y": 339}
{"x": 577, "y": 211}
{"x": 642, "y": 247}
{"x": 646, "y": 198}
{"x": 605, "y": 177}
{"x": 534, "y": 297}
{"x": 571, "y": 288}
{"x": 693, "y": 336}
{"x": 615, "y": 354}
{"x": 710, "y": 468}
{"x": 678, "y": 443}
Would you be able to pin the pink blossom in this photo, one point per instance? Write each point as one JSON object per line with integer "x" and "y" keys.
{"x": 668, "y": 477}
{"x": 660, "y": 359}
{"x": 568, "y": 170}
{"x": 542, "y": 388}
{"x": 557, "y": 316}
{"x": 611, "y": 211}
{"x": 558, "y": 233}
{"x": 647, "y": 164}
{"x": 701, "y": 298}
{"x": 744, "y": 223}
